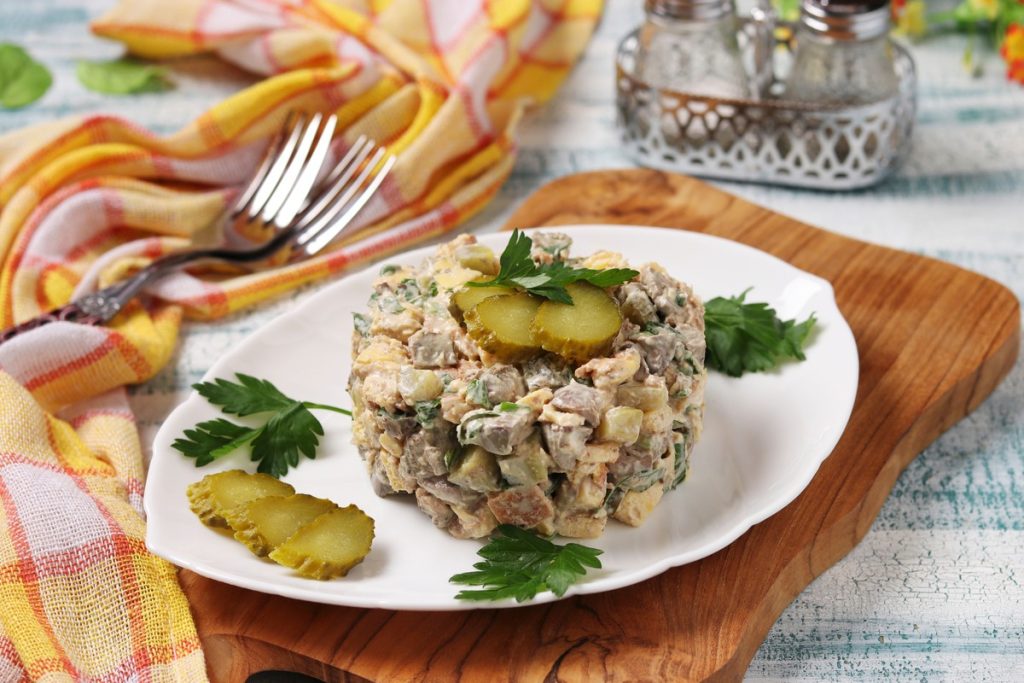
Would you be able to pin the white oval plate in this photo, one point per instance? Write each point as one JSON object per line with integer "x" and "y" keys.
{"x": 765, "y": 436}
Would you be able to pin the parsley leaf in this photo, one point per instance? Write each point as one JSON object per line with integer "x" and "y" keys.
{"x": 749, "y": 337}
{"x": 247, "y": 397}
{"x": 681, "y": 465}
{"x": 476, "y": 391}
{"x": 23, "y": 80}
{"x": 291, "y": 431}
{"x": 209, "y": 440}
{"x": 361, "y": 323}
{"x": 450, "y": 457}
{"x": 518, "y": 564}
{"x": 427, "y": 411}
{"x": 286, "y": 434}
{"x": 519, "y": 271}
{"x": 122, "y": 77}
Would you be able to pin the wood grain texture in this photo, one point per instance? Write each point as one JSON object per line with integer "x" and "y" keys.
{"x": 934, "y": 341}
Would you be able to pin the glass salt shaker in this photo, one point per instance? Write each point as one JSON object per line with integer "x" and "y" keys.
{"x": 843, "y": 53}
{"x": 690, "y": 46}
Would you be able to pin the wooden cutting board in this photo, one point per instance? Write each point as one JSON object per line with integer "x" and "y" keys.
{"x": 934, "y": 341}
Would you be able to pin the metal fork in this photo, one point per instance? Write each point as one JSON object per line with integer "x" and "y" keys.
{"x": 281, "y": 195}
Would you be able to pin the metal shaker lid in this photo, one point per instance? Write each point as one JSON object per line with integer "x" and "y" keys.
{"x": 846, "y": 19}
{"x": 692, "y": 10}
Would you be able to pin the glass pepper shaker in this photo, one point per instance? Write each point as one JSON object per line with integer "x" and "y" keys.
{"x": 843, "y": 53}
{"x": 690, "y": 46}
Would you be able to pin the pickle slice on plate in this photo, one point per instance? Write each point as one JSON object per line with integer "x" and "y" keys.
{"x": 501, "y": 325}
{"x": 329, "y": 546}
{"x": 214, "y": 496}
{"x": 581, "y": 330}
{"x": 265, "y": 523}
{"x": 468, "y": 297}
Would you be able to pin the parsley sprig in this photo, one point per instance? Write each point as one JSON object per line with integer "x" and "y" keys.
{"x": 291, "y": 429}
{"x": 519, "y": 271}
{"x": 518, "y": 564}
{"x": 750, "y": 337}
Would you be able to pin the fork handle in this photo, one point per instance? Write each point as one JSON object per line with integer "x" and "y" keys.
{"x": 101, "y": 306}
{"x": 71, "y": 312}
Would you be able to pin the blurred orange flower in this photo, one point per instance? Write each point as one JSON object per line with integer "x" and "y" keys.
{"x": 1013, "y": 52}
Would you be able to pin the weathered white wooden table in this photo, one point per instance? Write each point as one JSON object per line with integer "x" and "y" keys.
{"x": 936, "y": 589}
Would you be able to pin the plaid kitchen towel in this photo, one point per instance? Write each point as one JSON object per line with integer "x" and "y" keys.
{"x": 84, "y": 201}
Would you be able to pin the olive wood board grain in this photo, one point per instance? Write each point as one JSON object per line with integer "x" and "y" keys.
{"x": 934, "y": 340}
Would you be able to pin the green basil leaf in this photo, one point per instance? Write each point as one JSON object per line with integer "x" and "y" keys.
{"x": 122, "y": 77}
{"x": 23, "y": 80}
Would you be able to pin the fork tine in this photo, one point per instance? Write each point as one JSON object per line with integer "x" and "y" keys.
{"x": 326, "y": 231}
{"x": 276, "y": 170}
{"x": 292, "y": 170}
{"x": 310, "y": 171}
{"x": 338, "y": 181}
{"x": 339, "y": 168}
{"x": 272, "y": 152}
{"x": 347, "y": 190}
